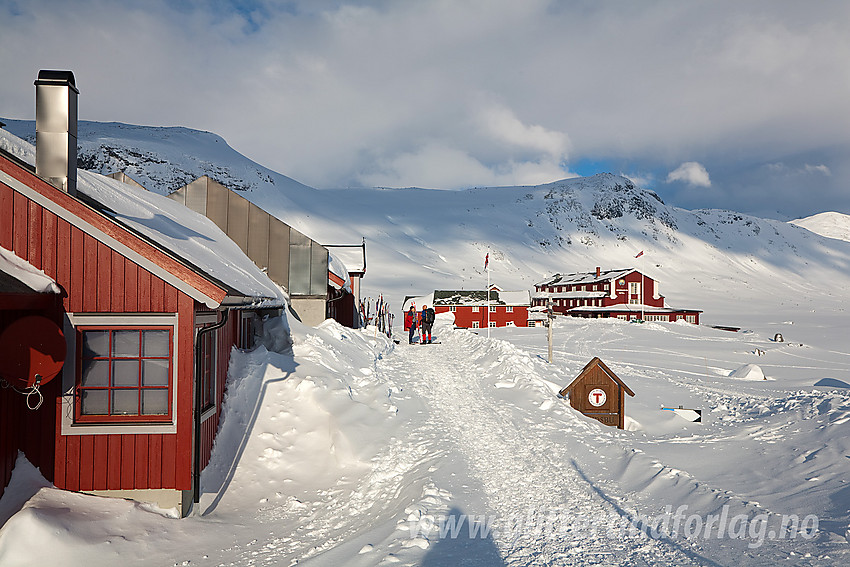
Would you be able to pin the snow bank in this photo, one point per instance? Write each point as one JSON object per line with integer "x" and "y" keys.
{"x": 748, "y": 372}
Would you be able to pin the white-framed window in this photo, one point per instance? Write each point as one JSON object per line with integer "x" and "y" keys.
{"x": 492, "y": 323}
{"x": 453, "y": 308}
{"x": 634, "y": 288}
{"x": 634, "y": 301}
{"x": 623, "y": 317}
{"x": 475, "y": 309}
{"x": 656, "y": 317}
{"x": 475, "y": 325}
{"x": 691, "y": 318}
{"x": 125, "y": 374}
{"x": 492, "y": 309}
{"x": 510, "y": 309}
{"x": 120, "y": 374}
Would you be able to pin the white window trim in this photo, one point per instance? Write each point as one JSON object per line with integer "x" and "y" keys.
{"x": 209, "y": 319}
{"x": 510, "y": 309}
{"x": 475, "y": 325}
{"x": 69, "y": 373}
{"x": 475, "y": 309}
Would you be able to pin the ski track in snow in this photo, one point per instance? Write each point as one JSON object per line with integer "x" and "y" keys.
{"x": 519, "y": 473}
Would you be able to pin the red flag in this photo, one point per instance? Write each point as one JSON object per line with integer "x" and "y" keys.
{"x": 639, "y": 254}
{"x": 486, "y": 260}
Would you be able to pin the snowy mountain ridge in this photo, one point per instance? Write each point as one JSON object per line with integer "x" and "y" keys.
{"x": 420, "y": 239}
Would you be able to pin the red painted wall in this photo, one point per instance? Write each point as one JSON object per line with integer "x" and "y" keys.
{"x": 623, "y": 296}
{"x": 465, "y": 316}
{"x": 96, "y": 279}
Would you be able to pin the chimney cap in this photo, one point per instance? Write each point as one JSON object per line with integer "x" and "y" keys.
{"x": 48, "y": 77}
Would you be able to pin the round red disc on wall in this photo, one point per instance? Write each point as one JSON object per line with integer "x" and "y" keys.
{"x": 29, "y": 347}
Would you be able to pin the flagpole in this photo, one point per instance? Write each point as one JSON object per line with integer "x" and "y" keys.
{"x": 488, "y": 294}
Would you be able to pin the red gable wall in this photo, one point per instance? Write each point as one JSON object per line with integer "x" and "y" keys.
{"x": 94, "y": 279}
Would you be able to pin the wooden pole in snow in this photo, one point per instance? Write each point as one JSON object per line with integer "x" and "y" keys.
{"x": 550, "y": 320}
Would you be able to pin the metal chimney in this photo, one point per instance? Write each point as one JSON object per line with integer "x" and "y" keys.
{"x": 56, "y": 129}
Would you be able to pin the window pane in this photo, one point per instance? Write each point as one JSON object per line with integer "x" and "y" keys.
{"x": 154, "y": 373}
{"x": 318, "y": 269}
{"x": 95, "y": 373}
{"x": 299, "y": 268}
{"x": 125, "y": 402}
{"x": 125, "y": 372}
{"x": 94, "y": 402}
{"x": 155, "y": 343}
{"x": 95, "y": 343}
{"x": 155, "y": 402}
{"x": 125, "y": 343}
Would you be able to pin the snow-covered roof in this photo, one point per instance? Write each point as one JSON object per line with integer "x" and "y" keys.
{"x": 28, "y": 275}
{"x": 579, "y": 278}
{"x": 418, "y": 301}
{"x": 480, "y": 297}
{"x": 522, "y": 297}
{"x": 338, "y": 268}
{"x": 353, "y": 256}
{"x": 175, "y": 229}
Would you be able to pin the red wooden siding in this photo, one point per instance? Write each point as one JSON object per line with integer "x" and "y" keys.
{"x": 94, "y": 279}
{"x": 465, "y": 316}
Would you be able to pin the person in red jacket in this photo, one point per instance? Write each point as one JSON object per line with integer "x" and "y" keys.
{"x": 410, "y": 323}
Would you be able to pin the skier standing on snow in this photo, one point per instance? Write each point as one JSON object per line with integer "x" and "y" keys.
{"x": 410, "y": 323}
{"x": 427, "y": 321}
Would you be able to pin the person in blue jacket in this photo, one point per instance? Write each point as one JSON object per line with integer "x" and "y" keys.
{"x": 426, "y": 321}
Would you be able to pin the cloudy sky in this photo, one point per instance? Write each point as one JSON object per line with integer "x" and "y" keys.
{"x": 730, "y": 104}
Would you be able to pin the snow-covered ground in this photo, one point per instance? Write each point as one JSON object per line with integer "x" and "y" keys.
{"x": 341, "y": 447}
{"x": 349, "y": 449}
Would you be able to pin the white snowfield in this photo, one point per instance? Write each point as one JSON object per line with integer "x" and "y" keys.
{"x": 343, "y": 448}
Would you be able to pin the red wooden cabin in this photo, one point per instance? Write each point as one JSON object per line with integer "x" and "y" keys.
{"x": 472, "y": 310}
{"x": 137, "y": 306}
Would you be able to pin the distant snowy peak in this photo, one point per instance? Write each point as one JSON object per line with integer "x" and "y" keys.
{"x": 830, "y": 225}
{"x": 602, "y": 204}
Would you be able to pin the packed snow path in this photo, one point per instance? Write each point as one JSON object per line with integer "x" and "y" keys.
{"x": 522, "y": 471}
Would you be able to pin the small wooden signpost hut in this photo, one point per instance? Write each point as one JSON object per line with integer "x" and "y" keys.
{"x": 599, "y": 393}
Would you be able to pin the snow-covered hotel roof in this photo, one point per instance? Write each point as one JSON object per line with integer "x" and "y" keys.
{"x": 580, "y": 278}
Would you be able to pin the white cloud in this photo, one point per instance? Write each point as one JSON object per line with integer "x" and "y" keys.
{"x": 338, "y": 91}
{"x": 643, "y": 180}
{"x": 501, "y": 123}
{"x": 822, "y": 169}
{"x": 780, "y": 168}
{"x": 440, "y": 167}
{"x": 692, "y": 173}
